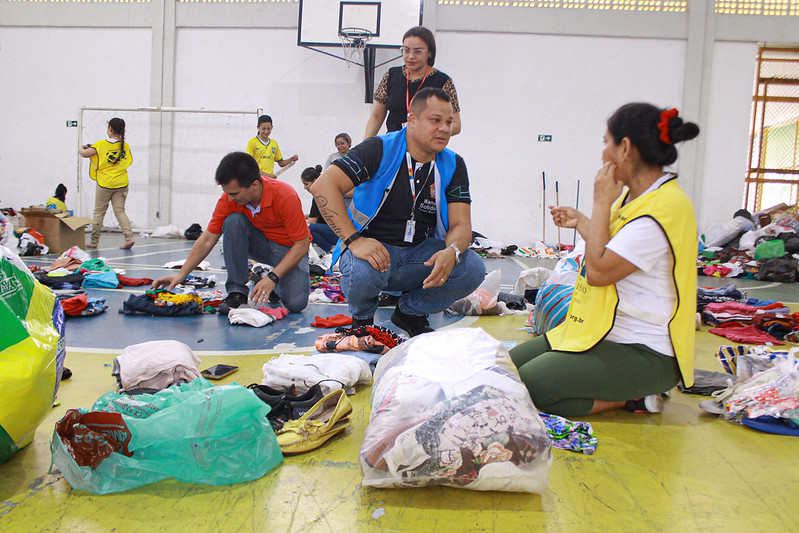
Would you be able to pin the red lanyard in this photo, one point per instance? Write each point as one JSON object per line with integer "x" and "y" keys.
{"x": 407, "y": 88}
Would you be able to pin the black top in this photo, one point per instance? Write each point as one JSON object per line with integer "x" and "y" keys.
{"x": 392, "y": 92}
{"x": 315, "y": 213}
{"x": 388, "y": 227}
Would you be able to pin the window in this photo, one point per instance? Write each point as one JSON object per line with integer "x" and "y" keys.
{"x": 773, "y": 173}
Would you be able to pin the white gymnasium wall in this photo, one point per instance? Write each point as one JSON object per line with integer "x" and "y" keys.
{"x": 47, "y": 73}
{"x": 513, "y": 87}
{"x": 727, "y": 131}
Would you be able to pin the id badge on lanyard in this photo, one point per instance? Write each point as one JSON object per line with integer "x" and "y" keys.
{"x": 410, "y": 225}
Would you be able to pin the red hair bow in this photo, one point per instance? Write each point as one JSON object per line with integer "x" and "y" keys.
{"x": 663, "y": 126}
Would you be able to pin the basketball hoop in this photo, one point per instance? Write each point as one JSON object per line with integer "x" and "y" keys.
{"x": 353, "y": 41}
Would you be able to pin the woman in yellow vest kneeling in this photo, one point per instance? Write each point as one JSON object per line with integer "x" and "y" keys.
{"x": 629, "y": 333}
{"x": 109, "y": 162}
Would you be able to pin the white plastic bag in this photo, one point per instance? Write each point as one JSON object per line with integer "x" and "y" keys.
{"x": 448, "y": 408}
{"x": 483, "y": 301}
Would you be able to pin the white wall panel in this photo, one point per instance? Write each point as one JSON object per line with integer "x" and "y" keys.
{"x": 47, "y": 74}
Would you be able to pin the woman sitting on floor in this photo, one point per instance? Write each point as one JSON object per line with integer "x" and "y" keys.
{"x": 629, "y": 332}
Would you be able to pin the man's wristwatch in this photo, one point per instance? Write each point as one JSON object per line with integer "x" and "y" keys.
{"x": 457, "y": 253}
{"x": 274, "y": 277}
{"x": 352, "y": 238}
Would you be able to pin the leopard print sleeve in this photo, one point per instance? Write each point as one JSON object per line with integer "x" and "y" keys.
{"x": 381, "y": 94}
{"x": 449, "y": 87}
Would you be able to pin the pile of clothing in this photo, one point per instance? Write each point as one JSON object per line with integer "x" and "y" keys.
{"x": 753, "y": 322}
{"x": 761, "y": 246}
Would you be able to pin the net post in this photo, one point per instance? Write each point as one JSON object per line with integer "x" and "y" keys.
{"x": 369, "y": 74}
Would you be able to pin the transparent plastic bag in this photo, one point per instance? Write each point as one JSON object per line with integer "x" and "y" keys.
{"x": 196, "y": 433}
{"x": 448, "y": 408}
{"x": 483, "y": 300}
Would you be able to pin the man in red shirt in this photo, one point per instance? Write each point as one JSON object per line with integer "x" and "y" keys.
{"x": 261, "y": 219}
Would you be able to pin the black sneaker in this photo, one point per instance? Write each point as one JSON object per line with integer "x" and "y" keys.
{"x": 301, "y": 404}
{"x": 412, "y": 324}
{"x": 648, "y": 404}
{"x": 234, "y": 300}
{"x": 360, "y": 323}
{"x": 385, "y": 299}
{"x": 274, "y": 298}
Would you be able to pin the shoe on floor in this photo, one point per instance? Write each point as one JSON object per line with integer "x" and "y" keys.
{"x": 274, "y": 298}
{"x": 648, "y": 404}
{"x": 412, "y": 324}
{"x": 234, "y": 300}
{"x": 385, "y": 299}
{"x": 328, "y": 417}
{"x": 357, "y": 323}
{"x": 127, "y": 246}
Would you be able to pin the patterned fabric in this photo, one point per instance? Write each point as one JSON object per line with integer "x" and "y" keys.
{"x": 568, "y": 435}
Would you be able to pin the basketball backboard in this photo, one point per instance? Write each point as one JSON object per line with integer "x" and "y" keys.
{"x": 321, "y": 21}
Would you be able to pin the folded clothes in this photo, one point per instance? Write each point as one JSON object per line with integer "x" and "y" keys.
{"x": 143, "y": 304}
{"x": 249, "y": 317}
{"x": 134, "y": 282}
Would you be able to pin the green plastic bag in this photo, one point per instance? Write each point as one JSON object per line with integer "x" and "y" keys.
{"x": 196, "y": 433}
{"x": 769, "y": 249}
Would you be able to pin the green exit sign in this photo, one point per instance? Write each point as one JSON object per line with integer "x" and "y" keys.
{"x": 545, "y": 138}
{"x": 72, "y": 123}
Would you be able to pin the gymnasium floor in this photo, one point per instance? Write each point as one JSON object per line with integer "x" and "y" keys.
{"x": 676, "y": 471}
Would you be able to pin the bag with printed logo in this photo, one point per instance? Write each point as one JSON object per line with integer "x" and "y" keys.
{"x": 31, "y": 353}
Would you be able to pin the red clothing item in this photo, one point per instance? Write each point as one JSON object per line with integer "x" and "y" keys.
{"x": 281, "y": 218}
{"x": 746, "y": 335}
{"x": 75, "y": 305}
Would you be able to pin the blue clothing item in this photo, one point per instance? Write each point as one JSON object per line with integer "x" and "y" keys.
{"x": 370, "y": 194}
{"x": 101, "y": 280}
{"x": 241, "y": 241}
{"x": 324, "y": 237}
{"x": 361, "y": 283}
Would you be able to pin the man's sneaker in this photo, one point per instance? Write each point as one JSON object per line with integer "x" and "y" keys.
{"x": 274, "y": 298}
{"x": 234, "y": 300}
{"x": 648, "y": 404}
{"x": 412, "y": 324}
{"x": 385, "y": 299}
{"x": 360, "y": 323}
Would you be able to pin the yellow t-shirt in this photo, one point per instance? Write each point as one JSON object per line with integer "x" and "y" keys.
{"x": 55, "y": 203}
{"x": 107, "y": 168}
{"x": 264, "y": 154}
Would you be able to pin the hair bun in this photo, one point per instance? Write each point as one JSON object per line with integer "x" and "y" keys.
{"x": 682, "y": 131}
{"x": 318, "y": 168}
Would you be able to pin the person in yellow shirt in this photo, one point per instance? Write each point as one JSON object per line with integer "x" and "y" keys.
{"x": 265, "y": 150}
{"x": 59, "y": 199}
{"x": 629, "y": 332}
{"x": 109, "y": 162}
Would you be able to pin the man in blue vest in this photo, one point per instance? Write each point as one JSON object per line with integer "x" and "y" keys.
{"x": 409, "y": 225}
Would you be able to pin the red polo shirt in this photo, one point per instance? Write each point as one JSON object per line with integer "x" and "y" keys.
{"x": 281, "y": 218}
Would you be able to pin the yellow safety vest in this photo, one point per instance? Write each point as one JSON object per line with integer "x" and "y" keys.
{"x": 593, "y": 309}
{"x": 107, "y": 168}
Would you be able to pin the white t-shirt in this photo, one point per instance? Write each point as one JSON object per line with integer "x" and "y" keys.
{"x": 647, "y": 296}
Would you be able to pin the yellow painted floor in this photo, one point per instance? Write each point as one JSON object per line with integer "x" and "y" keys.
{"x": 681, "y": 470}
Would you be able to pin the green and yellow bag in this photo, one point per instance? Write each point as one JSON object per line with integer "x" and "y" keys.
{"x": 31, "y": 355}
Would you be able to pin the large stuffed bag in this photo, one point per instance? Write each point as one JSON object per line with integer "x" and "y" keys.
{"x": 31, "y": 353}
{"x": 448, "y": 408}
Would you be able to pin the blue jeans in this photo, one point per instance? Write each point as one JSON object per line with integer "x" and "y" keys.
{"x": 241, "y": 241}
{"x": 324, "y": 237}
{"x": 361, "y": 283}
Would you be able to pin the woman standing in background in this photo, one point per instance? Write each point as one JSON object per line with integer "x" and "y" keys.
{"x": 109, "y": 162}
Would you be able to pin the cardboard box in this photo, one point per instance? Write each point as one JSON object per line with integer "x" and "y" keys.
{"x": 61, "y": 231}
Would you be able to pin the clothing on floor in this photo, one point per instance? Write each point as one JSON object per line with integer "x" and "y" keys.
{"x": 331, "y": 371}
{"x": 332, "y": 321}
{"x": 133, "y": 282}
{"x": 568, "y": 435}
{"x": 143, "y": 304}
{"x": 249, "y": 317}
{"x": 155, "y": 365}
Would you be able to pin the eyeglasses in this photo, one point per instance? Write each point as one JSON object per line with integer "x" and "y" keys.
{"x": 415, "y": 51}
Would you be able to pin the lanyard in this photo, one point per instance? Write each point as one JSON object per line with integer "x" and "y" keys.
{"x": 413, "y": 181}
{"x": 407, "y": 88}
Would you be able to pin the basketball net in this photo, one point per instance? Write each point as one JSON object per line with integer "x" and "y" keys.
{"x": 353, "y": 42}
